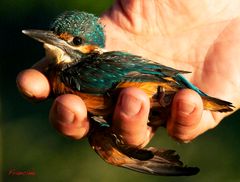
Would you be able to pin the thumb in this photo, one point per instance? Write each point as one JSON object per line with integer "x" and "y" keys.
{"x": 186, "y": 115}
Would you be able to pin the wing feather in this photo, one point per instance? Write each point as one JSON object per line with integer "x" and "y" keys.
{"x": 98, "y": 73}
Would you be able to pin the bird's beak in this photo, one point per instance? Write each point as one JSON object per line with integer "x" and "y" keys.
{"x": 56, "y": 49}
{"x": 44, "y": 36}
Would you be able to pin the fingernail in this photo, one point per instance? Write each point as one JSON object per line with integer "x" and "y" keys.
{"x": 185, "y": 107}
{"x": 63, "y": 114}
{"x": 130, "y": 105}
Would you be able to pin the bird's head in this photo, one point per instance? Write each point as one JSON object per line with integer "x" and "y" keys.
{"x": 71, "y": 35}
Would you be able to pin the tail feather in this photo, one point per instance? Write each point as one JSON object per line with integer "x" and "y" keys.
{"x": 214, "y": 104}
{"x": 210, "y": 103}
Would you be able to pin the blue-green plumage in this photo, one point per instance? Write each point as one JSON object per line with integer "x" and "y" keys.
{"x": 99, "y": 73}
{"x": 80, "y": 24}
{"x": 180, "y": 78}
{"x": 80, "y": 66}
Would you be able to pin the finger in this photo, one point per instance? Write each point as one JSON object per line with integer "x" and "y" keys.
{"x": 187, "y": 109}
{"x": 33, "y": 84}
{"x": 131, "y": 116}
{"x": 69, "y": 116}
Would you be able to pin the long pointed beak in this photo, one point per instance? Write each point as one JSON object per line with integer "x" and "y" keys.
{"x": 45, "y": 37}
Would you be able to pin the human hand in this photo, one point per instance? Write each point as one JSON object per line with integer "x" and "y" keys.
{"x": 173, "y": 48}
{"x": 188, "y": 35}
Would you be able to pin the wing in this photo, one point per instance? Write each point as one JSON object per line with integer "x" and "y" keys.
{"x": 163, "y": 162}
{"x": 97, "y": 73}
{"x": 152, "y": 160}
{"x": 112, "y": 148}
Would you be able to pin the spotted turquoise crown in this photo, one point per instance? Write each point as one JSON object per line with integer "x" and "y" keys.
{"x": 82, "y": 24}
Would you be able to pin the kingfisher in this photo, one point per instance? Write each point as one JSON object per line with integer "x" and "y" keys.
{"x": 80, "y": 65}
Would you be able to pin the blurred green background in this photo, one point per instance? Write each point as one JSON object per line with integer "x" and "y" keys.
{"x": 29, "y": 143}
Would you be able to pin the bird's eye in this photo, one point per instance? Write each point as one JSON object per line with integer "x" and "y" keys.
{"x": 77, "y": 41}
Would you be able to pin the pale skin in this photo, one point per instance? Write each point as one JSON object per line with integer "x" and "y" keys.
{"x": 197, "y": 36}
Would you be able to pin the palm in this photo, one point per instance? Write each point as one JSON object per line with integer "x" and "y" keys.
{"x": 209, "y": 51}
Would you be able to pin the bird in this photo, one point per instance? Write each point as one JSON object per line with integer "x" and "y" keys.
{"x": 80, "y": 64}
